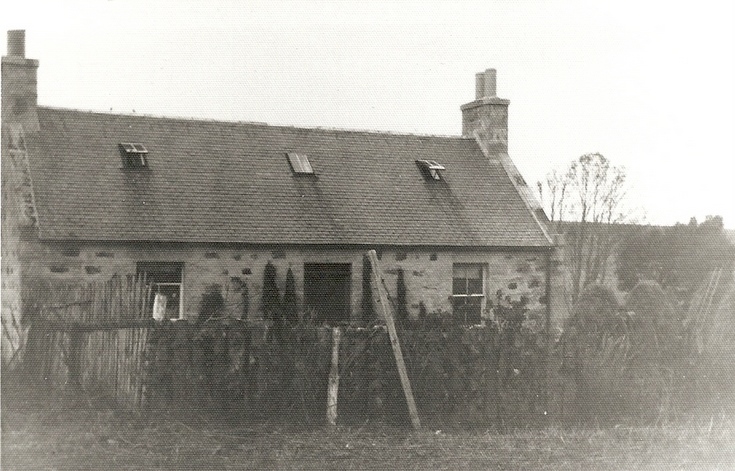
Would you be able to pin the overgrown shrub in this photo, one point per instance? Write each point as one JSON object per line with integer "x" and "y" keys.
{"x": 290, "y": 304}
{"x": 227, "y": 366}
{"x": 519, "y": 360}
{"x": 655, "y": 328}
{"x": 197, "y": 368}
{"x": 272, "y": 307}
{"x": 595, "y": 315}
{"x": 713, "y": 365}
{"x": 368, "y": 308}
{"x": 401, "y": 302}
{"x": 588, "y": 339}
{"x": 241, "y": 286}
{"x": 245, "y": 293}
{"x": 212, "y": 303}
{"x": 271, "y": 295}
{"x": 626, "y": 363}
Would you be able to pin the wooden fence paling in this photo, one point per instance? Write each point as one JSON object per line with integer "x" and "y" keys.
{"x": 333, "y": 388}
{"x": 95, "y": 335}
{"x": 125, "y": 345}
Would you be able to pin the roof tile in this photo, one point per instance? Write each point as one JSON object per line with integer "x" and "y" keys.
{"x": 231, "y": 182}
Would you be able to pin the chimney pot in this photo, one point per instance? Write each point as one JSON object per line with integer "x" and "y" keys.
{"x": 486, "y": 118}
{"x": 17, "y": 43}
{"x": 479, "y": 85}
{"x": 491, "y": 82}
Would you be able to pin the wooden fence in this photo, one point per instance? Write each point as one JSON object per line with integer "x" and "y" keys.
{"x": 93, "y": 337}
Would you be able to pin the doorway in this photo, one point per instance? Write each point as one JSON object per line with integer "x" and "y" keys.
{"x": 327, "y": 291}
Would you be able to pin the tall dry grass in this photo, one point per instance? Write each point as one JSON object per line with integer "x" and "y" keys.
{"x": 635, "y": 363}
{"x": 713, "y": 358}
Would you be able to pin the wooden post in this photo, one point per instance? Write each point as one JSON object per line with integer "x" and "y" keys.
{"x": 333, "y": 378}
{"x": 390, "y": 324}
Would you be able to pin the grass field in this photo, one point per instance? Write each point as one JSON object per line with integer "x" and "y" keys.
{"x": 45, "y": 432}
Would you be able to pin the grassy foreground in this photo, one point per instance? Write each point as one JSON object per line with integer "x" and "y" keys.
{"x": 46, "y": 432}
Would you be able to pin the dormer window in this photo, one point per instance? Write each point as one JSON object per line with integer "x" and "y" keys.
{"x": 300, "y": 163}
{"x": 430, "y": 169}
{"x": 133, "y": 155}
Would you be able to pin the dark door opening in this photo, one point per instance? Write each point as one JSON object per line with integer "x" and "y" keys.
{"x": 327, "y": 291}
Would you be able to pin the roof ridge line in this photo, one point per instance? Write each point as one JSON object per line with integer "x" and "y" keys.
{"x": 259, "y": 123}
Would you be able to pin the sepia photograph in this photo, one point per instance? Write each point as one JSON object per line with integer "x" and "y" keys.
{"x": 367, "y": 235}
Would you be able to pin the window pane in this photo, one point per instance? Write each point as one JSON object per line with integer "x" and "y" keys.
{"x": 467, "y": 278}
{"x": 474, "y": 286}
{"x": 293, "y": 158}
{"x": 474, "y": 271}
{"x": 467, "y": 270}
{"x": 299, "y": 162}
{"x": 467, "y": 281}
{"x": 305, "y": 164}
{"x": 459, "y": 270}
{"x": 459, "y": 286}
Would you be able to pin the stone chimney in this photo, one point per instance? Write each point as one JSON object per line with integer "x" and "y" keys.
{"x": 486, "y": 118}
{"x": 19, "y": 89}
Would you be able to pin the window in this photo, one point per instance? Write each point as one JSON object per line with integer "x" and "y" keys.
{"x": 166, "y": 283}
{"x": 133, "y": 155}
{"x": 300, "y": 163}
{"x": 468, "y": 293}
{"x": 430, "y": 169}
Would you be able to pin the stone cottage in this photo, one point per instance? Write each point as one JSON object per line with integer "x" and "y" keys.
{"x": 194, "y": 203}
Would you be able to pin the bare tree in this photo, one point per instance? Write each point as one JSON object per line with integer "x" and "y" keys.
{"x": 584, "y": 203}
{"x": 556, "y": 184}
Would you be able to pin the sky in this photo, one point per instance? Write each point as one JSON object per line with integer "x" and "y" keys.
{"x": 647, "y": 84}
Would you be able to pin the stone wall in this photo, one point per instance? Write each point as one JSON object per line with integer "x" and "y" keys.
{"x": 427, "y": 272}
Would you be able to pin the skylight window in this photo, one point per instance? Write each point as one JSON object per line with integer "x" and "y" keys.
{"x": 134, "y": 155}
{"x": 430, "y": 169}
{"x": 300, "y": 163}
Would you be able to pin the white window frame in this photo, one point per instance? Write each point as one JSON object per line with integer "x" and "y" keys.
{"x": 432, "y": 167}
{"x": 181, "y": 295}
{"x": 483, "y": 278}
{"x": 155, "y": 284}
{"x": 135, "y": 155}
{"x": 300, "y": 163}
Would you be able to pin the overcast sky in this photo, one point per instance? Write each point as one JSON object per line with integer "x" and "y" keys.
{"x": 647, "y": 84}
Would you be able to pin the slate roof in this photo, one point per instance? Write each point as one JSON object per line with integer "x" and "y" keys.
{"x": 231, "y": 182}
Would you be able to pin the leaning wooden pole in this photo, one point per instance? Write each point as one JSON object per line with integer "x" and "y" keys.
{"x": 333, "y": 390}
{"x": 388, "y": 316}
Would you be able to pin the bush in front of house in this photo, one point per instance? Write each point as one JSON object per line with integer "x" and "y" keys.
{"x": 628, "y": 362}
{"x": 519, "y": 359}
{"x": 368, "y": 309}
{"x": 198, "y": 368}
{"x": 228, "y": 365}
{"x": 594, "y": 351}
{"x": 712, "y": 358}
{"x": 271, "y": 295}
{"x": 245, "y": 293}
{"x": 401, "y": 302}
{"x": 212, "y": 304}
{"x": 272, "y": 306}
{"x": 290, "y": 305}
